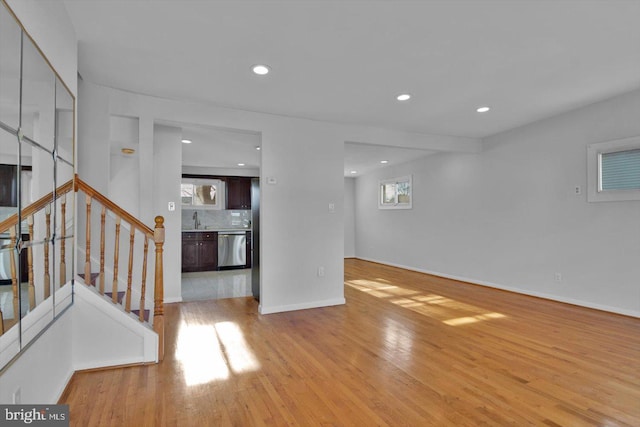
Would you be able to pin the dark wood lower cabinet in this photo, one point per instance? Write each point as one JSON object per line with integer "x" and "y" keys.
{"x": 199, "y": 251}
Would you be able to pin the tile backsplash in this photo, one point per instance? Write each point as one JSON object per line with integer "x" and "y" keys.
{"x": 216, "y": 219}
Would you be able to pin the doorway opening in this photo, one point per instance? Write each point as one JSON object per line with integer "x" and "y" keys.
{"x": 220, "y": 213}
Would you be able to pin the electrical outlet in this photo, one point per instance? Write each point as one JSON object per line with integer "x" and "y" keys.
{"x": 578, "y": 190}
{"x": 17, "y": 396}
{"x": 332, "y": 207}
{"x": 558, "y": 277}
{"x": 320, "y": 271}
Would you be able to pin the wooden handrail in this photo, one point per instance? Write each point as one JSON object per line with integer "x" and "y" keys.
{"x": 126, "y": 216}
{"x": 36, "y": 206}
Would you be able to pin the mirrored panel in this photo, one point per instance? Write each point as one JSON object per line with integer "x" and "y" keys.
{"x": 10, "y": 34}
{"x": 8, "y": 174}
{"x": 37, "y": 178}
{"x": 9, "y": 302}
{"x": 63, "y": 237}
{"x": 64, "y": 123}
{"x": 36, "y": 220}
{"x": 38, "y": 96}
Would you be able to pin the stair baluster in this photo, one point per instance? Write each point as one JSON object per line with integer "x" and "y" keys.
{"x": 103, "y": 216}
{"x": 127, "y": 305}
{"x": 63, "y": 235}
{"x": 47, "y": 276}
{"x": 14, "y": 274}
{"x": 87, "y": 262}
{"x": 143, "y": 287}
{"x": 116, "y": 253}
{"x": 32, "y": 287}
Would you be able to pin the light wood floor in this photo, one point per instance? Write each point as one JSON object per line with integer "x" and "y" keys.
{"x": 407, "y": 349}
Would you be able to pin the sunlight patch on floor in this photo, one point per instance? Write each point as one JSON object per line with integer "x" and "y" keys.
{"x": 447, "y": 310}
{"x": 473, "y": 319}
{"x": 212, "y": 352}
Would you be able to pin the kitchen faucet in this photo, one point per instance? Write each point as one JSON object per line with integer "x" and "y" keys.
{"x": 196, "y": 221}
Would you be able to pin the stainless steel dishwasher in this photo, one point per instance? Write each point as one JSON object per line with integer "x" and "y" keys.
{"x": 232, "y": 248}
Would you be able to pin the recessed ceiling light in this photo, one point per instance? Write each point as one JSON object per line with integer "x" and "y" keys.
{"x": 240, "y": 164}
{"x": 403, "y": 97}
{"x": 483, "y": 109}
{"x": 261, "y": 69}
{"x": 384, "y": 161}
{"x": 258, "y": 148}
{"x": 128, "y": 150}
{"x": 354, "y": 171}
{"x": 186, "y": 141}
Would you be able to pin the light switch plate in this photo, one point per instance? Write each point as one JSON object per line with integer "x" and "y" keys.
{"x": 172, "y": 206}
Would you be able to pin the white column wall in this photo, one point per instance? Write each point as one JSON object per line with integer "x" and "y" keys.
{"x": 167, "y": 156}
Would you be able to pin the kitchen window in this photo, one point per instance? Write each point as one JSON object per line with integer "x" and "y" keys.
{"x": 202, "y": 193}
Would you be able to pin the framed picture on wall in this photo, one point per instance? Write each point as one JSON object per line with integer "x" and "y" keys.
{"x": 395, "y": 193}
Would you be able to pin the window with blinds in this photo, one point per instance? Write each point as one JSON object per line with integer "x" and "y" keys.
{"x": 613, "y": 170}
{"x": 620, "y": 170}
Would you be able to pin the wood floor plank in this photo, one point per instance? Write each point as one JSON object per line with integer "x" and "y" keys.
{"x": 408, "y": 349}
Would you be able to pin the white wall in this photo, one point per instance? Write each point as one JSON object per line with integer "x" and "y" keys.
{"x": 509, "y": 216}
{"x": 349, "y": 218}
{"x": 42, "y": 371}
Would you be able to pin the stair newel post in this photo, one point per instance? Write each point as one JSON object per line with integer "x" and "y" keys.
{"x": 63, "y": 235}
{"x": 116, "y": 253}
{"x": 32, "y": 287}
{"x": 103, "y": 220}
{"x": 47, "y": 276}
{"x": 14, "y": 274}
{"x": 127, "y": 305}
{"x": 87, "y": 261}
{"x": 143, "y": 287}
{"x": 158, "y": 309}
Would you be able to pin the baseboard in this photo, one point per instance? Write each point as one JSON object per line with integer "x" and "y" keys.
{"x": 304, "y": 306}
{"x": 572, "y": 301}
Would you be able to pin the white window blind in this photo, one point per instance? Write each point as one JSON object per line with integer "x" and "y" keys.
{"x": 620, "y": 170}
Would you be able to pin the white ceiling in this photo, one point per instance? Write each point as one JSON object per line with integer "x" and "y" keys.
{"x": 345, "y": 61}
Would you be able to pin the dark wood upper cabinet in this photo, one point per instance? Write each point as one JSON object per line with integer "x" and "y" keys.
{"x": 8, "y": 185}
{"x": 238, "y": 192}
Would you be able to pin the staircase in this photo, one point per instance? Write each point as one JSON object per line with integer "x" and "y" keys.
{"x": 102, "y": 269}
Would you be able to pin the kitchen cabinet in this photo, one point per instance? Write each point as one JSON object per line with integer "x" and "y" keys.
{"x": 238, "y": 192}
{"x": 8, "y": 185}
{"x": 199, "y": 251}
